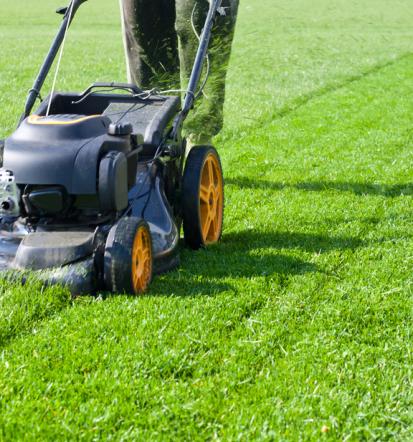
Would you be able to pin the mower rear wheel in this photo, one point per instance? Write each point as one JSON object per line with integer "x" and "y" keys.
{"x": 129, "y": 257}
{"x": 202, "y": 197}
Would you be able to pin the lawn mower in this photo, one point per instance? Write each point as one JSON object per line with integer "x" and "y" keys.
{"x": 95, "y": 186}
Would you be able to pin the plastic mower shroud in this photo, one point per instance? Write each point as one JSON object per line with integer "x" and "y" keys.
{"x": 94, "y": 186}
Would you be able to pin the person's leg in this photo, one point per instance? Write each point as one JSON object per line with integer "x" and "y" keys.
{"x": 207, "y": 118}
{"x": 151, "y": 43}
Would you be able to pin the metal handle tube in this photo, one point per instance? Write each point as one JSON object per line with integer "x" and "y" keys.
{"x": 48, "y": 62}
{"x": 200, "y": 57}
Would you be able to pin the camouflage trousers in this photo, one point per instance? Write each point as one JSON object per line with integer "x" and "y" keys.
{"x": 161, "y": 46}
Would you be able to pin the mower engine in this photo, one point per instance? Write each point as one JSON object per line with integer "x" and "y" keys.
{"x": 9, "y": 195}
{"x": 66, "y": 165}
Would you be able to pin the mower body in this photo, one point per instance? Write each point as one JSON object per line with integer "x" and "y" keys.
{"x": 69, "y": 177}
{"x": 93, "y": 188}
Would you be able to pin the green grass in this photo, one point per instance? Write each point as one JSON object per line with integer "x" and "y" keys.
{"x": 302, "y": 317}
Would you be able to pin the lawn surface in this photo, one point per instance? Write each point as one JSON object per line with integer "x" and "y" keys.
{"x": 298, "y": 326}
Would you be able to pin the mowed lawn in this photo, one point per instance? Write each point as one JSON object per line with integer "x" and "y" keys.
{"x": 299, "y": 325}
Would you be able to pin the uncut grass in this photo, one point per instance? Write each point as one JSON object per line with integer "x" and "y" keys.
{"x": 302, "y": 316}
{"x": 22, "y": 308}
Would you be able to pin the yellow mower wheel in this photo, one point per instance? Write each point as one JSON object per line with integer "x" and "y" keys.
{"x": 128, "y": 261}
{"x": 203, "y": 197}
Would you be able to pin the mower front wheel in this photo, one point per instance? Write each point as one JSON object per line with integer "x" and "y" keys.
{"x": 202, "y": 197}
{"x": 128, "y": 257}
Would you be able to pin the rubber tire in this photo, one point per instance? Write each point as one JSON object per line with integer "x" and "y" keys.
{"x": 118, "y": 254}
{"x": 190, "y": 195}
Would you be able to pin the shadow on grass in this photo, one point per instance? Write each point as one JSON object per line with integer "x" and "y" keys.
{"x": 239, "y": 262}
{"x": 387, "y": 190}
{"x": 253, "y": 239}
{"x": 248, "y": 254}
{"x": 204, "y": 273}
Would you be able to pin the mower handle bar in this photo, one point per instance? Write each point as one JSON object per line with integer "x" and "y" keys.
{"x": 112, "y": 85}
{"x": 34, "y": 93}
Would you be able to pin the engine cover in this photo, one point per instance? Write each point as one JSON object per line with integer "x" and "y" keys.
{"x": 61, "y": 150}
